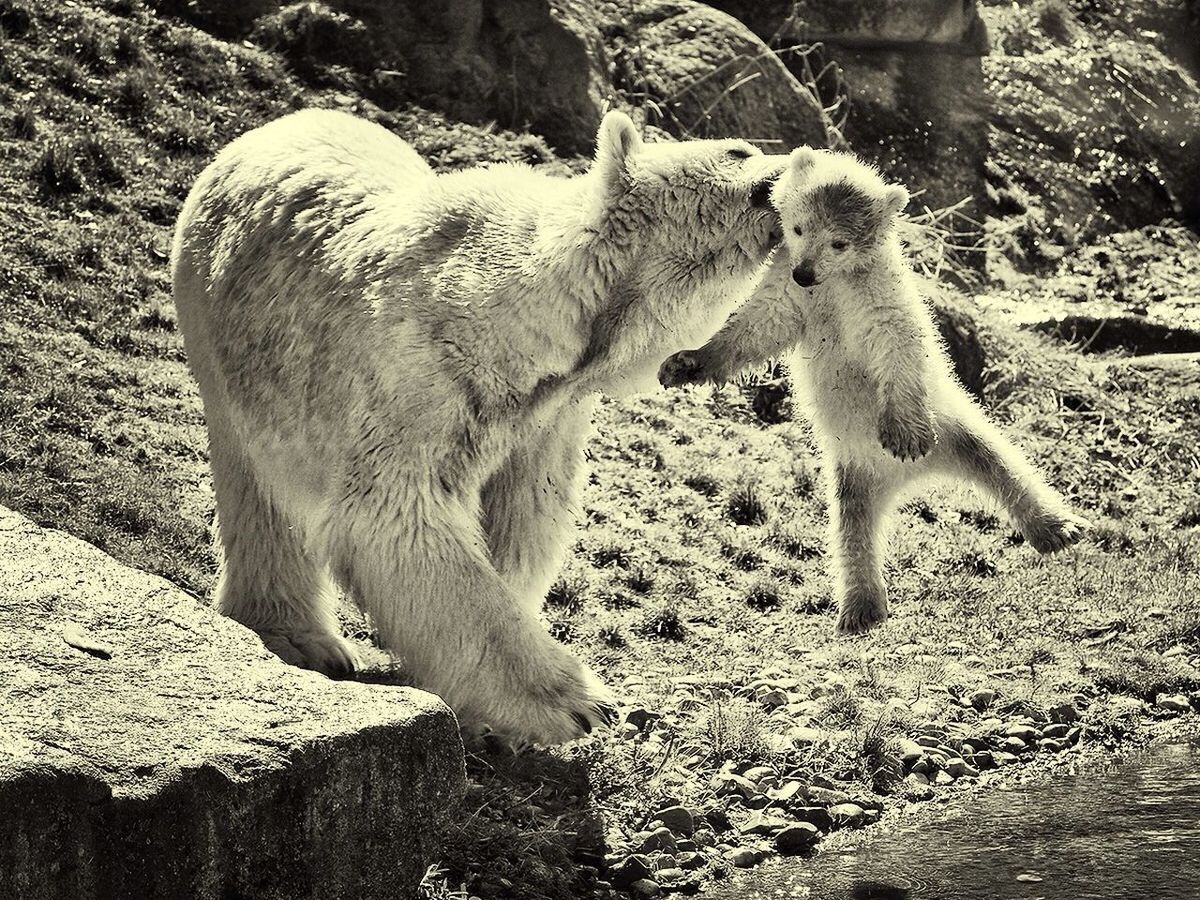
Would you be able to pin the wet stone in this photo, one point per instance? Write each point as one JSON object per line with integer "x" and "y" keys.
{"x": 1174, "y": 703}
{"x": 741, "y": 858}
{"x": 1026, "y": 733}
{"x": 817, "y": 816}
{"x": 629, "y": 870}
{"x": 1065, "y": 713}
{"x": 846, "y": 815}
{"x": 981, "y": 699}
{"x": 678, "y": 819}
{"x": 658, "y": 839}
{"x": 943, "y": 778}
{"x": 1014, "y": 745}
{"x": 796, "y": 838}
{"x": 645, "y": 887}
{"x": 689, "y": 861}
{"x": 728, "y": 783}
{"x": 1052, "y": 745}
{"x": 640, "y": 718}
{"x": 1057, "y": 731}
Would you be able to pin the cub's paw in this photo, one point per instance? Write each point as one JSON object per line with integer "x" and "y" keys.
{"x": 908, "y": 437}
{"x": 685, "y": 367}
{"x": 1051, "y": 532}
{"x": 860, "y": 611}
{"x": 329, "y": 654}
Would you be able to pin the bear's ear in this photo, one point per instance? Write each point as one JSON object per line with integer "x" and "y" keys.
{"x": 894, "y": 200}
{"x": 616, "y": 141}
{"x": 801, "y": 160}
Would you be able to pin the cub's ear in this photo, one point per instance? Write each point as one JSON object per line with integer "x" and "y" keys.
{"x": 801, "y": 160}
{"x": 894, "y": 200}
{"x": 616, "y": 141}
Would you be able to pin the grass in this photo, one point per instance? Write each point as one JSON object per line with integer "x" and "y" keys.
{"x": 699, "y": 577}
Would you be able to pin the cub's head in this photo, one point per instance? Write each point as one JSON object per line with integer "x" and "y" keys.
{"x": 836, "y": 212}
{"x": 693, "y": 210}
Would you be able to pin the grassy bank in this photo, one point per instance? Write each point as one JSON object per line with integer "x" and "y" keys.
{"x": 698, "y": 586}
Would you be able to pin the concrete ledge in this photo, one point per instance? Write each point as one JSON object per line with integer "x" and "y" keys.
{"x": 150, "y": 748}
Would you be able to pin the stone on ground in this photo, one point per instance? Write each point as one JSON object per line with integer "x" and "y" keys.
{"x": 153, "y": 748}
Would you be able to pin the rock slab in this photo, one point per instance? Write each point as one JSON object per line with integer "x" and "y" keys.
{"x": 152, "y": 748}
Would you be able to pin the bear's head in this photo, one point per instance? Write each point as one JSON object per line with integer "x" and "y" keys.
{"x": 685, "y": 227}
{"x": 836, "y": 211}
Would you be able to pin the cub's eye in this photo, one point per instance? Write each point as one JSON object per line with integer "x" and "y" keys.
{"x": 798, "y": 231}
{"x": 739, "y": 153}
{"x": 839, "y": 244}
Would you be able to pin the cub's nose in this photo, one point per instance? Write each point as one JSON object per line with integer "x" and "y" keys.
{"x": 804, "y": 274}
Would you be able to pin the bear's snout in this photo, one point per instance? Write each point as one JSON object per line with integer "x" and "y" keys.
{"x": 804, "y": 274}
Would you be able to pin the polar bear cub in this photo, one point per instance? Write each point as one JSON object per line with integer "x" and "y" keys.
{"x": 397, "y": 369}
{"x": 885, "y": 404}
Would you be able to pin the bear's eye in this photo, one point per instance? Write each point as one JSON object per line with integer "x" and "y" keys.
{"x": 739, "y": 153}
{"x": 840, "y": 244}
{"x": 798, "y": 231}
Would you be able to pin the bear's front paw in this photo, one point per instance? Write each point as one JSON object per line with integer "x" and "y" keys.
{"x": 1051, "y": 532}
{"x": 861, "y": 610}
{"x": 907, "y": 437}
{"x": 685, "y": 367}
{"x": 330, "y": 654}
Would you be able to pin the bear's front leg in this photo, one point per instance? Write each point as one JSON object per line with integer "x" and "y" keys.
{"x": 422, "y": 570}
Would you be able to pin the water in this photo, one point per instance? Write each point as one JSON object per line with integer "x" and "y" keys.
{"x": 1125, "y": 831}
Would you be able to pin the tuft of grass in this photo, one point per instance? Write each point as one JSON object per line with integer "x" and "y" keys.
{"x": 179, "y": 131}
{"x": 977, "y": 564}
{"x": 665, "y": 623}
{"x": 57, "y": 170}
{"x": 24, "y": 123}
{"x": 135, "y": 94}
{"x": 703, "y": 484}
{"x": 129, "y": 49}
{"x": 764, "y": 595}
{"x": 640, "y": 579}
{"x": 745, "y": 558}
{"x": 68, "y": 75}
{"x": 795, "y": 542}
{"x": 610, "y": 636}
{"x": 745, "y": 505}
{"x": 735, "y": 729}
{"x": 92, "y": 47}
{"x": 567, "y": 594}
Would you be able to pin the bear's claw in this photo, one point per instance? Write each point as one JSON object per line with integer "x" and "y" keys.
{"x": 684, "y": 367}
{"x": 1053, "y": 532}
{"x": 908, "y": 438}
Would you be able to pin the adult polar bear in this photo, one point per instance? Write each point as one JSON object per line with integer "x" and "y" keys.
{"x": 397, "y": 370}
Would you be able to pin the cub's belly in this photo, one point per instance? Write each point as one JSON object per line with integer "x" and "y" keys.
{"x": 841, "y": 398}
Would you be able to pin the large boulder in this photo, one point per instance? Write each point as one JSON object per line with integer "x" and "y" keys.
{"x": 153, "y": 748}
{"x": 700, "y": 73}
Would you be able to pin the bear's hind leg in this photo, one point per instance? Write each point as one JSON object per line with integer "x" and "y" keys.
{"x": 529, "y": 504}
{"x": 975, "y": 448}
{"x": 858, "y": 508}
{"x": 424, "y": 573}
{"x": 267, "y": 580}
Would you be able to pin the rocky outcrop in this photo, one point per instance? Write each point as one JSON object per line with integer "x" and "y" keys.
{"x": 912, "y": 74}
{"x": 534, "y": 66}
{"x": 153, "y": 748}
{"x": 1089, "y": 137}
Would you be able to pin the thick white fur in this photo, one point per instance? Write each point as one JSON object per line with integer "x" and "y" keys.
{"x": 886, "y": 407}
{"x": 397, "y": 370}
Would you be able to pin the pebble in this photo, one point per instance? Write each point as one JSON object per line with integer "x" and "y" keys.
{"x": 795, "y": 838}
{"x": 956, "y": 766}
{"x": 727, "y": 783}
{"x": 1026, "y": 733}
{"x": 758, "y": 823}
{"x": 677, "y": 818}
{"x": 983, "y": 759}
{"x": 705, "y": 837}
{"x": 761, "y": 774}
{"x": 629, "y": 870}
{"x": 690, "y": 861}
{"x": 943, "y": 778}
{"x": 827, "y": 797}
{"x": 785, "y": 793}
{"x": 1177, "y": 650}
{"x": 918, "y": 778}
{"x": 1176, "y": 703}
{"x": 817, "y": 816}
{"x": 741, "y": 858}
{"x": 846, "y": 815}
{"x": 976, "y": 744}
{"x": 1029, "y": 879}
{"x": 1065, "y": 713}
{"x": 640, "y": 718}
{"x": 718, "y": 819}
{"x": 981, "y": 699}
{"x": 774, "y": 699}
{"x": 802, "y": 736}
{"x": 670, "y": 874}
{"x": 1057, "y": 731}
{"x": 928, "y": 740}
{"x": 923, "y": 766}
{"x": 1052, "y": 745}
{"x": 1014, "y": 745}
{"x": 645, "y": 887}
{"x": 628, "y": 732}
{"x": 1004, "y": 758}
{"x": 658, "y": 839}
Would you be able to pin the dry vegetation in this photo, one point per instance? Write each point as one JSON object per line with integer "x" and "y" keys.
{"x": 698, "y": 584}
